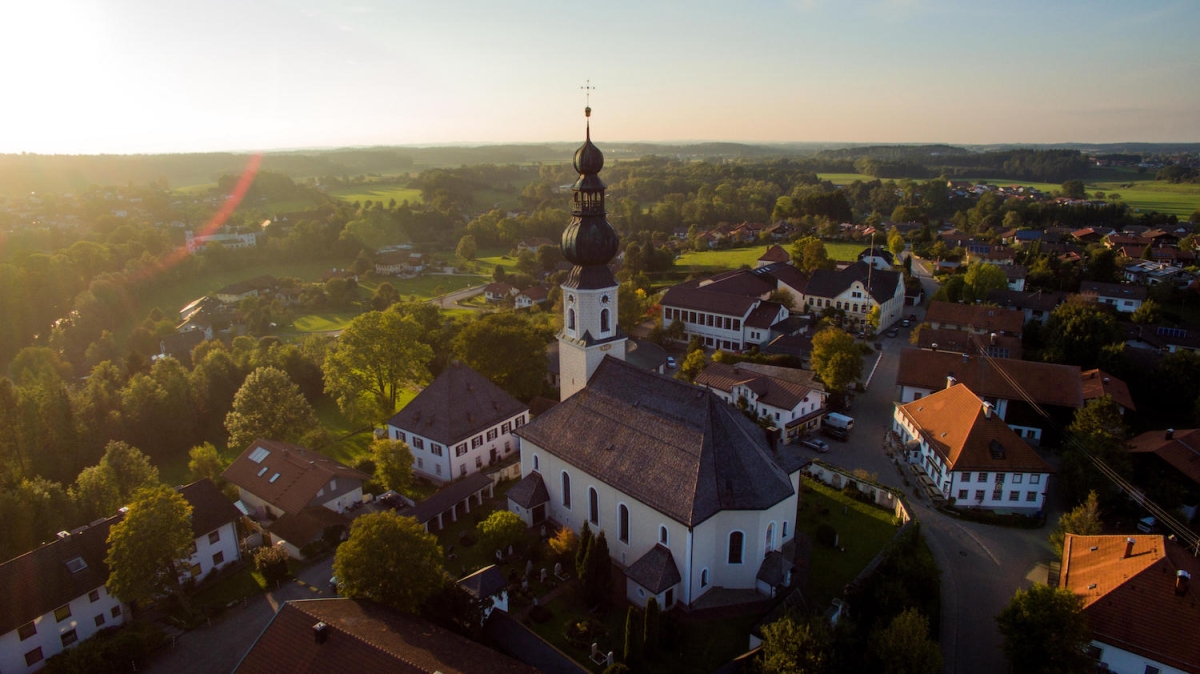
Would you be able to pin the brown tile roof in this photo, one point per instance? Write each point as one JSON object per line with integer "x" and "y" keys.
{"x": 1037, "y": 300}
{"x": 365, "y": 637}
{"x": 675, "y": 447}
{"x": 976, "y": 316}
{"x": 1098, "y": 383}
{"x": 210, "y": 509}
{"x": 1130, "y": 602}
{"x": 961, "y": 341}
{"x": 1181, "y": 450}
{"x": 307, "y": 525}
{"x": 1045, "y": 383}
{"x": 458, "y": 404}
{"x": 805, "y": 378}
{"x": 954, "y": 424}
{"x": 775, "y": 254}
{"x": 301, "y": 473}
{"x": 771, "y": 391}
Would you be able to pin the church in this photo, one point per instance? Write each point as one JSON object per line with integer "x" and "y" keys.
{"x": 694, "y": 498}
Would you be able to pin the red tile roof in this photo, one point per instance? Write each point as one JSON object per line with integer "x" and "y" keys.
{"x": 1131, "y": 602}
{"x": 952, "y": 421}
{"x": 770, "y": 390}
{"x": 976, "y": 316}
{"x": 1098, "y": 383}
{"x": 364, "y": 637}
{"x": 775, "y": 254}
{"x": 1045, "y": 383}
{"x": 289, "y": 476}
{"x": 1181, "y": 449}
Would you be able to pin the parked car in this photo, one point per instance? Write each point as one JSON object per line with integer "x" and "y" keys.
{"x": 839, "y": 434}
{"x": 815, "y": 443}
{"x": 893, "y": 332}
{"x": 905, "y": 323}
{"x": 671, "y": 362}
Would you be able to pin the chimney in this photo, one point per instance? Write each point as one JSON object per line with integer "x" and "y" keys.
{"x": 934, "y": 345}
{"x": 1181, "y": 582}
{"x": 320, "y": 633}
{"x": 950, "y": 380}
{"x": 1129, "y": 547}
{"x": 987, "y": 410}
{"x": 1170, "y": 434}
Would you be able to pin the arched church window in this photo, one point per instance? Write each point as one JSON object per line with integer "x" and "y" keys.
{"x": 570, "y": 319}
{"x": 623, "y": 523}
{"x": 604, "y": 320}
{"x": 566, "y": 491}
{"x": 770, "y": 542}
{"x": 593, "y": 506}
{"x": 736, "y": 540}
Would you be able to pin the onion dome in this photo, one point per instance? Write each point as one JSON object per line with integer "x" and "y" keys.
{"x": 589, "y": 160}
{"x": 589, "y": 241}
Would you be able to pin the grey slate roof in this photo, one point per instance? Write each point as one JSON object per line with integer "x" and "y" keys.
{"x": 529, "y": 492}
{"x": 675, "y": 447}
{"x": 458, "y": 404}
{"x": 445, "y": 498}
{"x": 656, "y": 570}
{"x": 774, "y": 568}
{"x": 484, "y": 582}
{"x": 827, "y": 283}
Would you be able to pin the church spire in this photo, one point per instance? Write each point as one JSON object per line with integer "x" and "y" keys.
{"x": 589, "y": 241}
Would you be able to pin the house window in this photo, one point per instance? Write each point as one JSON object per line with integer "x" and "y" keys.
{"x": 94, "y": 596}
{"x": 491, "y": 435}
{"x": 195, "y": 570}
{"x": 115, "y": 612}
{"x": 462, "y": 469}
{"x": 506, "y": 427}
{"x": 219, "y": 558}
{"x": 420, "y": 463}
{"x": 566, "y": 491}
{"x": 27, "y": 630}
{"x": 1017, "y": 478}
{"x": 520, "y": 421}
{"x": 662, "y": 534}
{"x": 736, "y": 539}
{"x": 1035, "y": 479}
{"x": 1151, "y": 669}
{"x": 460, "y": 449}
{"x": 435, "y": 449}
{"x": 69, "y": 637}
{"x": 983, "y": 477}
{"x": 593, "y": 506}
{"x": 476, "y": 441}
{"x": 507, "y": 446}
{"x": 437, "y": 468}
{"x": 62, "y": 612}
{"x": 1014, "y": 495}
{"x": 769, "y": 544}
{"x": 623, "y": 523}
{"x": 99, "y": 619}
{"x": 401, "y": 436}
{"x": 418, "y": 443}
{"x": 604, "y": 320}
{"x": 1031, "y": 496}
{"x": 978, "y": 494}
{"x": 479, "y": 462}
{"x": 785, "y": 530}
{"x": 704, "y": 578}
{"x": 962, "y": 494}
{"x": 214, "y": 537}
{"x": 33, "y": 657}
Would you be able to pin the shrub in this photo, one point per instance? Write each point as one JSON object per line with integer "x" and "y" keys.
{"x": 271, "y": 562}
{"x": 826, "y": 534}
{"x": 112, "y": 650}
{"x": 583, "y": 633}
{"x": 540, "y": 614}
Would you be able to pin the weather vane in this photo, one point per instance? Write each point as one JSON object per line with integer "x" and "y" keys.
{"x": 587, "y": 89}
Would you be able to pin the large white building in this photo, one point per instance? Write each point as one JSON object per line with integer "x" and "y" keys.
{"x": 458, "y": 425}
{"x": 791, "y": 398}
{"x": 856, "y": 290}
{"x": 232, "y": 239}
{"x": 691, "y": 495}
{"x": 55, "y": 596}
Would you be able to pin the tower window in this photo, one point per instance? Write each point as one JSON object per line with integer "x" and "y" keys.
{"x": 570, "y": 319}
{"x": 604, "y": 320}
{"x": 593, "y": 506}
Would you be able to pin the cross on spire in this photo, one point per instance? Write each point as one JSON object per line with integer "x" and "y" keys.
{"x": 587, "y": 89}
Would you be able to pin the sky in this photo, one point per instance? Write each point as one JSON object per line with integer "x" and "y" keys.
{"x": 114, "y": 76}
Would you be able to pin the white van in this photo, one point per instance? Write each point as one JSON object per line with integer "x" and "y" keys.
{"x": 839, "y": 421}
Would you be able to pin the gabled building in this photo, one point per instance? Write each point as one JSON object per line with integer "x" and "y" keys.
{"x": 970, "y": 454}
{"x": 1098, "y": 383}
{"x": 460, "y": 424}
{"x": 531, "y": 296}
{"x": 55, "y": 595}
{"x": 730, "y": 311}
{"x": 254, "y": 287}
{"x": 796, "y": 408}
{"x": 855, "y": 290}
{"x": 488, "y": 588}
{"x": 1013, "y": 387}
{"x": 1123, "y": 297}
{"x": 878, "y": 257}
{"x": 974, "y": 318}
{"x": 1179, "y": 449}
{"x": 774, "y": 255}
{"x": 499, "y": 291}
{"x": 1138, "y": 600}
{"x": 1037, "y": 305}
{"x": 962, "y": 341}
{"x": 399, "y": 263}
{"x": 1016, "y": 275}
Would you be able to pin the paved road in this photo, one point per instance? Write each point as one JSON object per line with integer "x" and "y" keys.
{"x": 981, "y": 565}
{"x": 217, "y": 648}
{"x": 449, "y": 300}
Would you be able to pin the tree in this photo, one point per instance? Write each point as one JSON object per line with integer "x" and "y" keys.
{"x": 836, "y": 358}
{"x": 101, "y": 489}
{"x": 982, "y": 278}
{"x": 1045, "y": 630}
{"x": 272, "y": 562}
{"x": 633, "y": 635}
{"x": 1084, "y": 520}
{"x": 809, "y": 254}
{"x": 1097, "y": 432}
{"x": 1074, "y": 189}
{"x": 508, "y": 350}
{"x": 145, "y": 547}
{"x": 393, "y": 463}
{"x": 597, "y": 584}
{"x": 466, "y": 247}
{"x": 564, "y": 543}
{"x": 1077, "y": 333}
{"x": 904, "y": 646}
{"x": 651, "y": 620}
{"x": 376, "y": 356}
{"x": 581, "y": 552}
{"x": 204, "y": 461}
{"x": 783, "y": 297}
{"x": 270, "y": 406}
{"x": 895, "y": 242}
{"x": 792, "y": 647}
{"x": 1147, "y": 314}
{"x": 692, "y": 365}
{"x": 389, "y": 559}
{"x": 501, "y": 529}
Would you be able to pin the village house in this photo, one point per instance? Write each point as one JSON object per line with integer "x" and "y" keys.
{"x": 1098, "y": 383}
{"x": 982, "y": 252}
{"x": 855, "y": 290}
{"x": 458, "y": 425}
{"x": 1036, "y": 306}
{"x": 255, "y": 287}
{"x": 533, "y": 243}
{"x": 231, "y": 239}
{"x": 399, "y": 263}
{"x": 969, "y": 454}
{"x": 795, "y": 404}
{"x": 974, "y": 318}
{"x": 488, "y": 588}
{"x": 55, "y": 595}
{"x": 1013, "y": 387}
{"x": 294, "y": 493}
{"x": 1138, "y": 601}
{"x": 531, "y": 296}
{"x": 1178, "y": 451}
{"x": 1123, "y": 297}
{"x": 1016, "y": 274}
{"x": 774, "y": 255}
{"x": 730, "y": 311}
{"x": 962, "y": 341}
{"x": 878, "y": 257}
{"x": 1164, "y": 338}
{"x": 499, "y": 291}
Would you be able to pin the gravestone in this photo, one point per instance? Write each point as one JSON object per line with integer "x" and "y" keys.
{"x": 543, "y": 578}
{"x": 558, "y": 569}
{"x": 528, "y": 567}
{"x": 499, "y": 556}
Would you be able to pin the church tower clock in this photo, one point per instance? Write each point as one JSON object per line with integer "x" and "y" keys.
{"x": 590, "y": 243}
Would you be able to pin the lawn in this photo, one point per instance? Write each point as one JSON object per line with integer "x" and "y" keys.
{"x": 863, "y": 530}
{"x": 1150, "y": 195}
{"x": 487, "y": 259}
{"x": 732, "y": 258}
{"x": 845, "y": 178}
{"x": 384, "y": 192}
{"x": 323, "y": 322}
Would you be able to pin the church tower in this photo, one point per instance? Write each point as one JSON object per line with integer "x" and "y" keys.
{"x": 590, "y": 329}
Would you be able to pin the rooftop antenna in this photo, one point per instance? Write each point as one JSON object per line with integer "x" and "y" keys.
{"x": 587, "y": 102}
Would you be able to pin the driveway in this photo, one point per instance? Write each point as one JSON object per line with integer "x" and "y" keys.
{"x": 450, "y": 300}
{"x": 218, "y": 648}
{"x": 982, "y": 565}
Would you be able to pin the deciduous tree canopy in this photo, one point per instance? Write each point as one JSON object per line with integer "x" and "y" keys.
{"x": 389, "y": 559}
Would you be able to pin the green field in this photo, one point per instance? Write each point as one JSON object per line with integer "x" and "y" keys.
{"x": 1005, "y": 182}
{"x": 733, "y": 258}
{"x": 486, "y": 260}
{"x": 376, "y": 192}
{"x": 1151, "y": 195}
{"x": 845, "y": 178}
{"x": 171, "y": 297}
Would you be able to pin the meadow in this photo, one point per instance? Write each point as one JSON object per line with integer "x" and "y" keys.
{"x": 376, "y": 192}
{"x": 1151, "y": 195}
{"x": 733, "y": 258}
{"x": 845, "y": 178}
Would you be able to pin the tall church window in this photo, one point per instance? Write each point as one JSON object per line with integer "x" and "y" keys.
{"x": 604, "y": 320}
{"x": 623, "y": 523}
{"x": 566, "y": 491}
{"x": 770, "y": 542}
{"x": 570, "y": 319}
{"x": 593, "y": 506}
{"x": 736, "y": 540}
